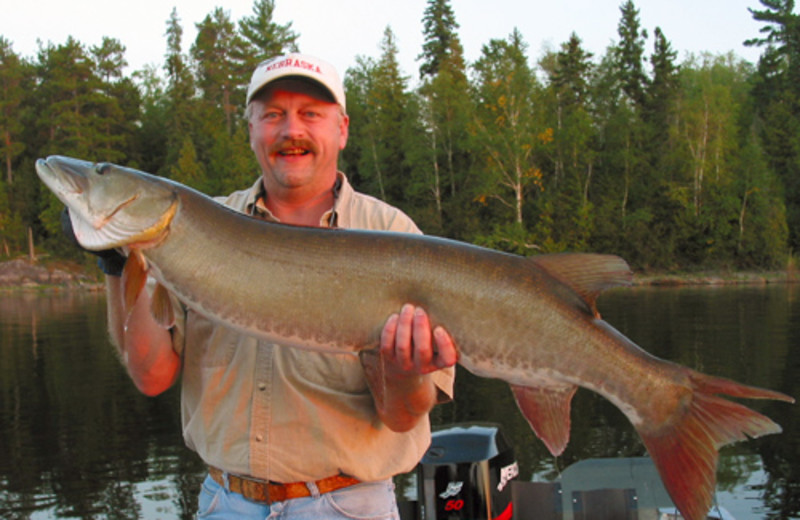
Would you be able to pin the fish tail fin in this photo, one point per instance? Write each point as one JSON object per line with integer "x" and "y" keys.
{"x": 686, "y": 451}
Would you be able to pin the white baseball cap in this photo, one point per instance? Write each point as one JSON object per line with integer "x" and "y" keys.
{"x": 297, "y": 65}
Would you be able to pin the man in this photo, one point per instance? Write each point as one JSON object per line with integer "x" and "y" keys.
{"x": 287, "y": 431}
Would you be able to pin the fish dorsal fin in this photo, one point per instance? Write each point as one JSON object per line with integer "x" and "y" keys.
{"x": 134, "y": 277}
{"x": 161, "y": 307}
{"x": 587, "y": 274}
{"x": 547, "y": 409}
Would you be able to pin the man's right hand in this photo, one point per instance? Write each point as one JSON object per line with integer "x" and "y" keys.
{"x": 110, "y": 261}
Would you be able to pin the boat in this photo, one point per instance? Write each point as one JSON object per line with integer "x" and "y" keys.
{"x": 470, "y": 472}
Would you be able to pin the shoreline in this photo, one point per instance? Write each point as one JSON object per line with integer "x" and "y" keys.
{"x": 19, "y": 274}
{"x": 714, "y": 278}
{"x": 22, "y": 275}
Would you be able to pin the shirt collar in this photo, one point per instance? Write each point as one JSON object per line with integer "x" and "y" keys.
{"x": 256, "y": 207}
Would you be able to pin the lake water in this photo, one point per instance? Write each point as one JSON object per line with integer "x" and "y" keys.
{"x": 78, "y": 441}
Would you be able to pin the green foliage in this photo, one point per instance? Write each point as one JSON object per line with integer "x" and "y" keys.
{"x": 441, "y": 40}
{"x": 11, "y": 229}
{"x": 509, "y": 129}
{"x": 777, "y": 99}
{"x": 12, "y": 85}
{"x": 691, "y": 164}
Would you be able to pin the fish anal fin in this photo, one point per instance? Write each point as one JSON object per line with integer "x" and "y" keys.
{"x": 685, "y": 451}
{"x": 134, "y": 277}
{"x": 587, "y": 274}
{"x": 161, "y": 307}
{"x": 547, "y": 409}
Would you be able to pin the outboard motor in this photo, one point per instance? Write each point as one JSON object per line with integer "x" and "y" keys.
{"x": 466, "y": 474}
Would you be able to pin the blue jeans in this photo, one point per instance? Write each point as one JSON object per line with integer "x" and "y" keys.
{"x": 369, "y": 500}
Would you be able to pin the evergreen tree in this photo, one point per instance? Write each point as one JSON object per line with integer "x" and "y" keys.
{"x": 356, "y": 158}
{"x": 188, "y": 170}
{"x": 630, "y": 54}
{"x": 75, "y": 108}
{"x": 777, "y": 94}
{"x": 628, "y": 182}
{"x": 385, "y": 122}
{"x": 118, "y": 109}
{"x": 661, "y": 95}
{"x": 446, "y": 112}
{"x": 439, "y": 29}
{"x": 180, "y": 95}
{"x": 12, "y": 231}
{"x": 12, "y": 95}
{"x": 215, "y": 53}
{"x": 150, "y": 140}
{"x": 569, "y": 213}
{"x": 570, "y": 76}
{"x": 781, "y": 37}
{"x": 264, "y": 37}
{"x": 109, "y": 59}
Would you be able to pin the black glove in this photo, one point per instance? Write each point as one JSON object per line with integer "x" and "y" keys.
{"x": 110, "y": 261}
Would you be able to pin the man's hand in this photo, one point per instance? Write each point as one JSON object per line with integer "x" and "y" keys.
{"x": 409, "y": 348}
{"x": 398, "y": 373}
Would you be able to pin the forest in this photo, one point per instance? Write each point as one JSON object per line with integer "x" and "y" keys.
{"x": 673, "y": 165}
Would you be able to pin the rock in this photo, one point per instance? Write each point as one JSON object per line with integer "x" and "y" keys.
{"x": 21, "y": 273}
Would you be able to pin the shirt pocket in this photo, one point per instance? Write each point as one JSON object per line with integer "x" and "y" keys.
{"x": 333, "y": 372}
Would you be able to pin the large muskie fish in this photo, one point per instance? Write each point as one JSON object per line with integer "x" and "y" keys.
{"x": 529, "y": 321}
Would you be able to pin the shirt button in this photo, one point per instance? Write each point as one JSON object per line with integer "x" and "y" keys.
{"x": 259, "y": 437}
{"x": 262, "y": 386}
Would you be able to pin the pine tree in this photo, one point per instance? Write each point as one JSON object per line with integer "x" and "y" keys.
{"x": 630, "y": 54}
{"x": 572, "y": 153}
{"x": 109, "y": 59}
{"x": 117, "y": 109}
{"x": 388, "y": 103}
{"x": 570, "y": 77}
{"x": 12, "y": 94}
{"x": 180, "y": 120}
{"x": 447, "y": 112}
{"x": 214, "y": 51}
{"x": 777, "y": 94}
{"x": 439, "y": 29}
{"x": 661, "y": 95}
{"x": 265, "y": 37}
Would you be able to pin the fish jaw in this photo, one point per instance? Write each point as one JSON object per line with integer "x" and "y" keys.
{"x": 110, "y": 206}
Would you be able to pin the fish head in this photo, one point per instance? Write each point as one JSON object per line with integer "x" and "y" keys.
{"x": 110, "y": 206}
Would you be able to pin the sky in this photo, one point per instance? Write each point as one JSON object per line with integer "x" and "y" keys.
{"x": 341, "y": 30}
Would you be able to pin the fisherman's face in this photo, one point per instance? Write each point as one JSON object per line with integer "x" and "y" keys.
{"x": 296, "y": 133}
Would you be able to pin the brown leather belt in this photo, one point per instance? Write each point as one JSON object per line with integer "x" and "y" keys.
{"x": 269, "y": 492}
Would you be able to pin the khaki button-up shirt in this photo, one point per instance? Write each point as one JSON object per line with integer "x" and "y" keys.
{"x": 253, "y": 408}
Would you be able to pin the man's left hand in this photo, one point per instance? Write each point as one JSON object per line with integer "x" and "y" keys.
{"x": 409, "y": 347}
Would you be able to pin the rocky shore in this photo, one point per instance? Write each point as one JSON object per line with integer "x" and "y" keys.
{"x": 716, "y": 278}
{"x": 20, "y": 273}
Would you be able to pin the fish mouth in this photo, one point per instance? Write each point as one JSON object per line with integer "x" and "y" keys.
{"x": 63, "y": 180}
{"x": 71, "y": 180}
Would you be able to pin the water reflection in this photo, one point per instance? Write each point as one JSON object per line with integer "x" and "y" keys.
{"x": 78, "y": 441}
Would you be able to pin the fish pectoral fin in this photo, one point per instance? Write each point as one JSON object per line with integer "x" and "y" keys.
{"x": 161, "y": 307}
{"x": 587, "y": 274}
{"x": 547, "y": 409}
{"x": 134, "y": 277}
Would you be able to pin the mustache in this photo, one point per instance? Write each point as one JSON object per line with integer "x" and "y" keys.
{"x": 293, "y": 143}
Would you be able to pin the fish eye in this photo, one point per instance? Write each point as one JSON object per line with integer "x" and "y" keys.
{"x": 103, "y": 168}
